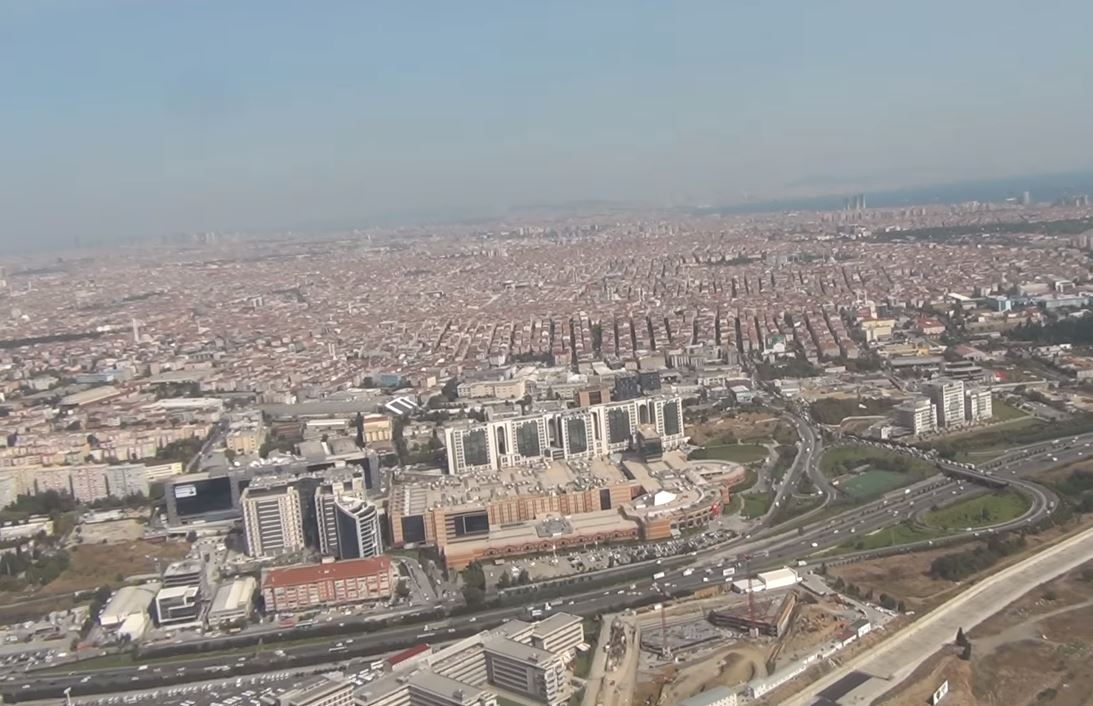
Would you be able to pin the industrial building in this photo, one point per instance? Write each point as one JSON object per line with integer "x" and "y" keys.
{"x": 767, "y": 581}
{"x": 127, "y": 601}
{"x": 179, "y": 605}
{"x": 232, "y": 601}
{"x": 179, "y": 602}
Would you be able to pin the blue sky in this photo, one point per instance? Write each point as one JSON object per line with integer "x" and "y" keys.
{"x": 143, "y": 117}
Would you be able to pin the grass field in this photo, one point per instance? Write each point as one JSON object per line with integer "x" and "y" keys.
{"x": 836, "y": 461}
{"x": 903, "y": 533}
{"x": 737, "y": 453}
{"x": 981, "y": 511}
{"x": 755, "y": 505}
{"x": 1003, "y": 411}
{"x": 872, "y": 484}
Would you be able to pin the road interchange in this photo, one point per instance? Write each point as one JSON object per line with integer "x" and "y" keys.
{"x": 770, "y": 547}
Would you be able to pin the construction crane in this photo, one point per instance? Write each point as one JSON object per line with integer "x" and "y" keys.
{"x": 665, "y": 649}
{"x": 746, "y": 559}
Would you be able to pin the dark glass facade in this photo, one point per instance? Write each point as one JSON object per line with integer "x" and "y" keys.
{"x": 476, "y": 448}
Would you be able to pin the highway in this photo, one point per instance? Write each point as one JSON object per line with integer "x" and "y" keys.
{"x": 769, "y": 548}
{"x": 806, "y": 462}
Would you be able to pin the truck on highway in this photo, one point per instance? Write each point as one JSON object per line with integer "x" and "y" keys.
{"x": 688, "y": 572}
{"x": 728, "y": 571}
{"x": 658, "y": 576}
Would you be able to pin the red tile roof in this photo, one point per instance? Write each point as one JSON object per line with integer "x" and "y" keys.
{"x": 407, "y": 654}
{"x": 310, "y": 573}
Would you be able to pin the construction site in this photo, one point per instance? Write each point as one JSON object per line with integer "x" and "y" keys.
{"x": 738, "y": 636}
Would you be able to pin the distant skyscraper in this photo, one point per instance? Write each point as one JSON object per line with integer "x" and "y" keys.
{"x": 1026, "y": 198}
{"x": 136, "y": 331}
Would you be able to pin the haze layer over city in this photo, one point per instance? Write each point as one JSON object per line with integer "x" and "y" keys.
{"x": 599, "y": 354}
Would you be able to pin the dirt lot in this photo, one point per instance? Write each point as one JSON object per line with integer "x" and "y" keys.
{"x": 94, "y": 565}
{"x": 813, "y": 626}
{"x": 745, "y": 426}
{"x": 732, "y": 666}
{"x": 116, "y": 531}
{"x": 903, "y": 576}
{"x": 945, "y": 665}
{"x": 1037, "y": 650}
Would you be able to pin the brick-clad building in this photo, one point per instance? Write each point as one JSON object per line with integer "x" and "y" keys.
{"x": 334, "y": 583}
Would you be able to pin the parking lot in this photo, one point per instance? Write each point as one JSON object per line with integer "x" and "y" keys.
{"x": 258, "y": 690}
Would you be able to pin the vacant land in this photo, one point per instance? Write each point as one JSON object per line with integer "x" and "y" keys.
{"x": 94, "y": 565}
{"x": 833, "y": 410}
{"x": 907, "y": 576}
{"x": 840, "y": 460}
{"x": 737, "y": 453}
{"x": 904, "y": 576}
{"x": 1003, "y": 411}
{"x": 982, "y": 511}
{"x": 116, "y": 531}
{"x": 1036, "y": 650}
{"x": 732, "y": 666}
{"x": 736, "y": 427}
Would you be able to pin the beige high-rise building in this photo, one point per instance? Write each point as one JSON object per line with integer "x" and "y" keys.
{"x": 978, "y": 405}
{"x": 272, "y": 521}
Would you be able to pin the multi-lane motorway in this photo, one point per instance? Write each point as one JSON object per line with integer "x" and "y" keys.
{"x": 769, "y": 548}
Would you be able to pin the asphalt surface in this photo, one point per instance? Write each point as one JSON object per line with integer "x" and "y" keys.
{"x": 775, "y": 550}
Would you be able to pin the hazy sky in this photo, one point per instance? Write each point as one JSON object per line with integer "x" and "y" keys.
{"x": 153, "y": 116}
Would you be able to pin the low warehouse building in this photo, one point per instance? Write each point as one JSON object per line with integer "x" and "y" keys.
{"x": 232, "y": 600}
{"x": 768, "y": 581}
{"x": 127, "y": 601}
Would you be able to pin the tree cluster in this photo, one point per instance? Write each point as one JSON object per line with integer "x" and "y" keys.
{"x": 960, "y": 565}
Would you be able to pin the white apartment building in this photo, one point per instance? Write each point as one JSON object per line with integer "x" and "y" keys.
{"x": 948, "y": 397}
{"x": 596, "y": 431}
{"x": 272, "y": 520}
{"x": 918, "y": 415}
{"x": 977, "y": 405}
